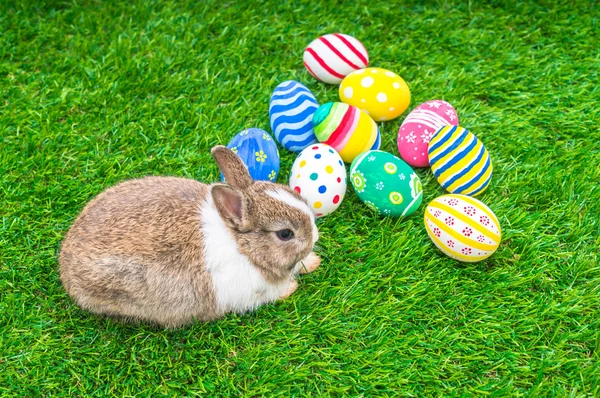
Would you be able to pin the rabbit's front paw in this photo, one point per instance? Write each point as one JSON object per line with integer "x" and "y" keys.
{"x": 309, "y": 264}
{"x": 292, "y": 288}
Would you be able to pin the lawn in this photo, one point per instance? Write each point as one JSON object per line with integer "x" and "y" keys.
{"x": 92, "y": 93}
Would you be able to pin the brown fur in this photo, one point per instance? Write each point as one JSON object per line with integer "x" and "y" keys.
{"x": 155, "y": 221}
{"x": 137, "y": 250}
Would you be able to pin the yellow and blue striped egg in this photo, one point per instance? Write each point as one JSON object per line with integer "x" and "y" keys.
{"x": 459, "y": 161}
{"x": 462, "y": 227}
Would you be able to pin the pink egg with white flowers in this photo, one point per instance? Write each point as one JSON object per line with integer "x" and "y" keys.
{"x": 418, "y": 128}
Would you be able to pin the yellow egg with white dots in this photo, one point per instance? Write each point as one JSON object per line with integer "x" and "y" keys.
{"x": 380, "y": 93}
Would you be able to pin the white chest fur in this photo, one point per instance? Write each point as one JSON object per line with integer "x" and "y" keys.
{"x": 239, "y": 286}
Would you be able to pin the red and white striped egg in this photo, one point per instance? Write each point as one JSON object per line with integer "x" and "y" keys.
{"x": 462, "y": 227}
{"x": 332, "y": 57}
{"x": 419, "y": 126}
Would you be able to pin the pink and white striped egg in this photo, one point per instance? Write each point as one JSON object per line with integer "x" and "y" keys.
{"x": 419, "y": 126}
{"x": 332, "y": 57}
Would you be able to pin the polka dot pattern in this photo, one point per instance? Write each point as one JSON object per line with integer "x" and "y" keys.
{"x": 319, "y": 176}
{"x": 380, "y": 93}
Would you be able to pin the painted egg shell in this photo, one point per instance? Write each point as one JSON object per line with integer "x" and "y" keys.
{"x": 462, "y": 227}
{"x": 418, "y": 128}
{"x": 386, "y": 183}
{"x": 377, "y": 145}
{"x": 332, "y": 57}
{"x": 319, "y": 176}
{"x": 382, "y": 94}
{"x": 291, "y": 112}
{"x": 346, "y": 128}
{"x": 459, "y": 161}
{"x": 258, "y": 151}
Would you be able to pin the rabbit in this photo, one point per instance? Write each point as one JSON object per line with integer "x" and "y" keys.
{"x": 171, "y": 251}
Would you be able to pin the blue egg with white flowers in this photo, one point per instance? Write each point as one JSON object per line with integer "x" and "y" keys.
{"x": 291, "y": 111}
{"x": 258, "y": 151}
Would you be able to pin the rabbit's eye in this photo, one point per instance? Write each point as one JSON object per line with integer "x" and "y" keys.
{"x": 285, "y": 234}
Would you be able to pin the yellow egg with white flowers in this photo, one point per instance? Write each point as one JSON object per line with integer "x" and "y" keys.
{"x": 380, "y": 93}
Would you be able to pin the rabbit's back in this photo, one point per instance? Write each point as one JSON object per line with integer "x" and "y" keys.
{"x": 137, "y": 251}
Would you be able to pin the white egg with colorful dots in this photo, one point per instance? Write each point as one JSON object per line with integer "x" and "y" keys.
{"x": 319, "y": 176}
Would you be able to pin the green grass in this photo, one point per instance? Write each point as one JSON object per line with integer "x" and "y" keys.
{"x": 92, "y": 93}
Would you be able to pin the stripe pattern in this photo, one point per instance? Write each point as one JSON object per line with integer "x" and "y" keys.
{"x": 332, "y": 57}
{"x": 291, "y": 111}
{"x": 459, "y": 161}
{"x": 346, "y": 128}
{"x": 462, "y": 227}
{"x": 377, "y": 145}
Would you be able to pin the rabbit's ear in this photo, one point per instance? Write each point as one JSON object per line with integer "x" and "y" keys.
{"x": 232, "y": 206}
{"x": 233, "y": 168}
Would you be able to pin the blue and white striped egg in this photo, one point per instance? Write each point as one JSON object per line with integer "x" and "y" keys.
{"x": 291, "y": 113}
{"x": 258, "y": 151}
{"x": 459, "y": 161}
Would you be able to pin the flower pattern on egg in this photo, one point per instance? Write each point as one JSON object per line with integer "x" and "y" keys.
{"x": 359, "y": 181}
{"x": 390, "y": 168}
{"x": 260, "y": 156}
{"x": 462, "y": 238}
{"x": 388, "y": 187}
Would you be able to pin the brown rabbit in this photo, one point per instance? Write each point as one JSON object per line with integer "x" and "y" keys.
{"x": 173, "y": 250}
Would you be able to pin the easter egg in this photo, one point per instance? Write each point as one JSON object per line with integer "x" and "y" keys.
{"x": 377, "y": 145}
{"x": 459, "y": 161}
{"x": 291, "y": 111}
{"x": 419, "y": 126}
{"x": 386, "y": 183}
{"x": 331, "y": 57}
{"x": 382, "y": 94}
{"x": 319, "y": 176}
{"x": 258, "y": 151}
{"x": 462, "y": 227}
{"x": 346, "y": 128}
